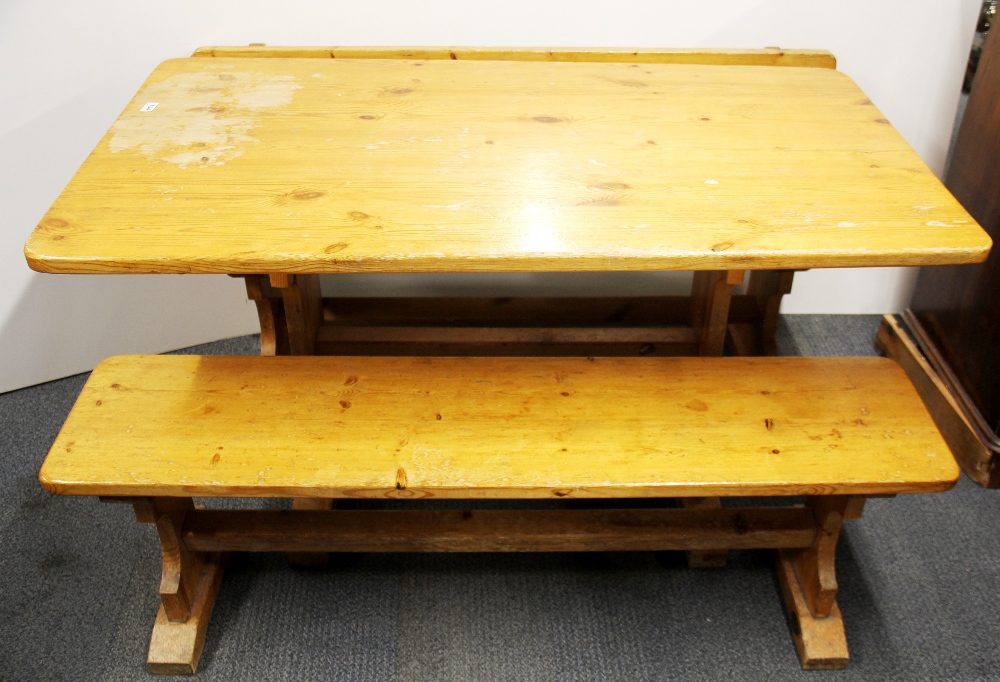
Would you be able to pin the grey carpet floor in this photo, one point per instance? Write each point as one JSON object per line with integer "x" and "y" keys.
{"x": 919, "y": 589}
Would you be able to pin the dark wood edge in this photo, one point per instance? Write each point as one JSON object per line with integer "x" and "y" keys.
{"x": 970, "y": 413}
{"x": 978, "y": 460}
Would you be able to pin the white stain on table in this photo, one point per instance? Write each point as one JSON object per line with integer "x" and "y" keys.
{"x": 203, "y": 119}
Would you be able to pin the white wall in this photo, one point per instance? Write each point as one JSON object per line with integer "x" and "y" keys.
{"x": 67, "y": 69}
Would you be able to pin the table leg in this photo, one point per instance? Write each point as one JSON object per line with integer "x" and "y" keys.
{"x": 303, "y": 306}
{"x": 711, "y": 294}
{"x": 767, "y": 287}
{"x": 302, "y": 309}
{"x": 271, "y": 313}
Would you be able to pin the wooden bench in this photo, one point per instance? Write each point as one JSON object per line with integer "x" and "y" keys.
{"x": 157, "y": 431}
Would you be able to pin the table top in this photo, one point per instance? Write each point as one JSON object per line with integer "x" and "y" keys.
{"x": 268, "y": 165}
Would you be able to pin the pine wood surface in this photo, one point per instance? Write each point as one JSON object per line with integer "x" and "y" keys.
{"x": 270, "y": 165}
{"x": 496, "y": 428}
{"x": 768, "y": 56}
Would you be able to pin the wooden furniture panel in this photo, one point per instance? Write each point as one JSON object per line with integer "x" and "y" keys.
{"x": 971, "y": 448}
{"x": 496, "y": 427}
{"x": 395, "y": 165}
{"x": 955, "y": 311}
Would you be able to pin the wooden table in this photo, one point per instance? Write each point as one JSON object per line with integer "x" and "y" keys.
{"x": 279, "y": 165}
{"x": 291, "y": 167}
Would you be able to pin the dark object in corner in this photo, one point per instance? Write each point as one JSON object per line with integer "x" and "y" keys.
{"x": 986, "y": 17}
{"x": 958, "y": 308}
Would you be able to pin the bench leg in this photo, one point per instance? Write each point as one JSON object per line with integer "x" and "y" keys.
{"x": 188, "y": 587}
{"x": 174, "y": 648}
{"x": 181, "y": 566}
{"x": 809, "y": 586}
{"x": 704, "y": 558}
{"x": 820, "y": 642}
{"x": 310, "y": 559}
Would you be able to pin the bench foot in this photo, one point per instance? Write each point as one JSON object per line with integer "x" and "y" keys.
{"x": 175, "y": 648}
{"x": 820, "y": 642}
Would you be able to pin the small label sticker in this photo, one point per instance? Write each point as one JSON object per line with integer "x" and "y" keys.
{"x": 149, "y": 106}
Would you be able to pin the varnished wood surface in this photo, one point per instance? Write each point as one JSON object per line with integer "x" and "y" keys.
{"x": 270, "y": 165}
{"x": 534, "y": 530}
{"x": 496, "y": 428}
{"x": 769, "y": 56}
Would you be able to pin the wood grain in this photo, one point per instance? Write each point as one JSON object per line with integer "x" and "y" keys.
{"x": 769, "y": 56}
{"x": 496, "y": 428}
{"x": 251, "y": 166}
{"x": 566, "y": 530}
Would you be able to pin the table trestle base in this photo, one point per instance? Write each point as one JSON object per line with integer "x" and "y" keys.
{"x": 504, "y": 326}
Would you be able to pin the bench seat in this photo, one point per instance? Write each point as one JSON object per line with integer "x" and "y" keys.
{"x": 335, "y": 427}
{"x": 157, "y": 431}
